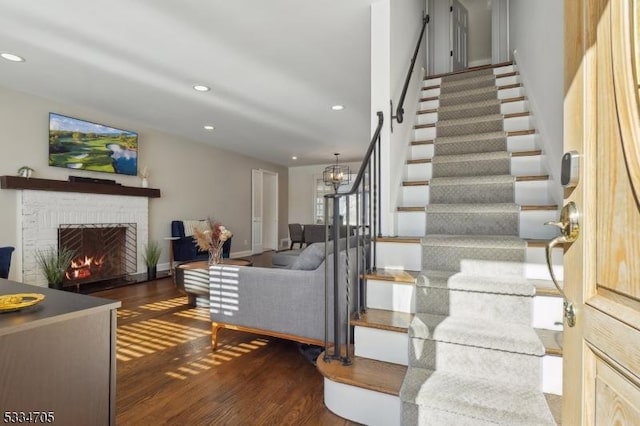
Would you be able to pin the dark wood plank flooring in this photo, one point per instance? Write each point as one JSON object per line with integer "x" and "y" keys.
{"x": 167, "y": 374}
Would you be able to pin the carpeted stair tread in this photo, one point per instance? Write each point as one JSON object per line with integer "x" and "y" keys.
{"x": 466, "y": 75}
{"x": 475, "y": 95}
{"x": 468, "y": 84}
{"x": 472, "y": 189}
{"x": 472, "y": 164}
{"x": 470, "y": 125}
{"x": 486, "y": 242}
{"x": 504, "y": 284}
{"x": 473, "y": 219}
{"x": 471, "y": 105}
{"x": 475, "y": 401}
{"x": 477, "y": 332}
{"x": 471, "y": 138}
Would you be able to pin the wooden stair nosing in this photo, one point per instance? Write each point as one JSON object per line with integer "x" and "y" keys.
{"x": 416, "y": 240}
{"x": 509, "y": 134}
{"x": 502, "y": 101}
{"x": 524, "y": 207}
{"x": 552, "y": 341}
{"x": 531, "y": 153}
{"x": 399, "y": 276}
{"x": 371, "y": 374}
{"x": 481, "y": 67}
{"x": 497, "y": 76}
{"x": 381, "y": 319}
{"x": 504, "y": 116}
{"x": 505, "y": 87}
{"x": 518, "y": 179}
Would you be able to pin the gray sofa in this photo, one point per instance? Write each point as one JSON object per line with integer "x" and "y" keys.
{"x": 286, "y": 303}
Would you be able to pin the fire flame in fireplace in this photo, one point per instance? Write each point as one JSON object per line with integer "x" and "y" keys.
{"x": 84, "y": 267}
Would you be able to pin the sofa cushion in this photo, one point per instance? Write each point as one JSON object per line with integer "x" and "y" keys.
{"x": 310, "y": 258}
{"x": 284, "y": 259}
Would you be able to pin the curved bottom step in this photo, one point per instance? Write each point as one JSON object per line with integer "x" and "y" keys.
{"x": 362, "y": 405}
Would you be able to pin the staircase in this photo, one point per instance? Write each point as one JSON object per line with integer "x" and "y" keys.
{"x": 462, "y": 325}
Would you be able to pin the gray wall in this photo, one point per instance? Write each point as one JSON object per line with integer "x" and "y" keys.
{"x": 536, "y": 37}
{"x": 196, "y": 180}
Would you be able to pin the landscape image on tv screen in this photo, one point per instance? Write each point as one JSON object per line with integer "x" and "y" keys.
{"x": 83, "y": 145}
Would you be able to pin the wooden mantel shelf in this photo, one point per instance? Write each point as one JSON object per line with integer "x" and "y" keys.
{"x": 17, "y": 182}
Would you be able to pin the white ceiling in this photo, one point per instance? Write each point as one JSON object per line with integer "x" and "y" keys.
{"x": 274, "y": 67}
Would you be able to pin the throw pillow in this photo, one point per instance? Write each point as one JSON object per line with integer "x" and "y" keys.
{"x": 310, "y": 258}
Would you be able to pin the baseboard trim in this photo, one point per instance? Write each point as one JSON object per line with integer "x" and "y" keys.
{"x": 244, "y": 253}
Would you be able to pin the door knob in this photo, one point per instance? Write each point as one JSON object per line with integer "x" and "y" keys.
{"x": 569, "y": 231}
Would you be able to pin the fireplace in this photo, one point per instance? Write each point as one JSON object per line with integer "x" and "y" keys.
{"x": 104, "y": 252}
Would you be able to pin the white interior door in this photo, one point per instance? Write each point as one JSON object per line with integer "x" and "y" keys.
{"x": 256, "y": 211}
{"x": 269, "y": 210}
{"x": 459, "y": 29}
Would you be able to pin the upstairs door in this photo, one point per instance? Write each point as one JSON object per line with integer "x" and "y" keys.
{"x": 256, "y": 211}
{"x": 602, "y": 267}
{"x": 459, "y": 36}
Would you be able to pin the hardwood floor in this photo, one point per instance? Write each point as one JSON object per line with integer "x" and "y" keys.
{"x": 167, "y": 374}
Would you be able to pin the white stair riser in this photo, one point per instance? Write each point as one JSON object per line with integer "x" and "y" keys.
{"x": 505, "y": 108}
{"x": 514, "y": 143}
{"x": 502, "y": 94}
{"x": 552, "y": 374}
{"x": 475, "y": 361}
{"x": 362, "y": 405}
{"x": 520, "y": 166}
{"x": 378, "y": 344}
{"x": 383, "y": 345}
{"x": 507, "y": 69}
{"x": 413, "y": 224}
{"x": 408, "y": 256}
{"x": 390, "y": 296}
{"x": 548, "y": 311}
{"x": 513, "y": 124}
{"x": 428, "y": 90}
{"x": 526, "y": 193}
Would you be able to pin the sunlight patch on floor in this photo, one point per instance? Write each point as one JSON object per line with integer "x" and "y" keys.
{"x": 213, "y": 359}
{"x": 165, "y": 304}
{"x": 201, "y": 314}
{"x": 147, "y": 337}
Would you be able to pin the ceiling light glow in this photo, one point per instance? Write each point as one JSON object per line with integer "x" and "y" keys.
{"x": 201, "y": 88}
{"x": 294, "y": 158}
{"x": 209, "y": 127}
{"x": 337, "y": 107}
{"x": 11, "y": 57}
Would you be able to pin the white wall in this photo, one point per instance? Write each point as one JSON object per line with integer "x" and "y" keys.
{"x": 395, "y": 27}
{"x": 536, "y": 31}
{"x": 196, "y": 180}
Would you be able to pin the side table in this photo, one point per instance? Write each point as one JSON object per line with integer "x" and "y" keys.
{"x": 171, "y": 240}
{"x": 192, "y": 278}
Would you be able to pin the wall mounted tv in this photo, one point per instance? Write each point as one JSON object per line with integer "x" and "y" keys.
{"x": 83, "y": 145}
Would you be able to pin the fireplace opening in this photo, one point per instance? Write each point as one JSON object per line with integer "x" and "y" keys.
{"x": 104, "y": 252}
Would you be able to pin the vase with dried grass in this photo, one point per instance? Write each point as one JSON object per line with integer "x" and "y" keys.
{"x": 211, "y": 239}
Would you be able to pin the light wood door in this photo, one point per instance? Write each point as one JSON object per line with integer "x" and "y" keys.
{"x": 602, "y": 268}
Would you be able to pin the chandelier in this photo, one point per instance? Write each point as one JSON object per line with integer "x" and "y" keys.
{"x": 336, "y": 175}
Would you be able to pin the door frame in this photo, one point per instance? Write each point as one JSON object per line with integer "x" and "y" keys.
{"x": 264, "y": 201}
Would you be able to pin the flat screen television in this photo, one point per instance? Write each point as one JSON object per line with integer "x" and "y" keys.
{"x": 83, "y": 145}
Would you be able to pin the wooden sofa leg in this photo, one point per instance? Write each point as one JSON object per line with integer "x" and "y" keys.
{"x": 214, "y": 336}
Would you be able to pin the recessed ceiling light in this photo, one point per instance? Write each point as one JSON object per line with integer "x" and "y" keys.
{"x": 209, "y": 127}
{"x": 11, "y": 57}
{"x": 201, "y": 88}
{"x": 337, "y": 107}
{"x": 294, "y": 158}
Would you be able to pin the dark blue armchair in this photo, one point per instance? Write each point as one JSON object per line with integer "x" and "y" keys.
{"x": 5, "y": 261}
{"x": 185, "y": 249}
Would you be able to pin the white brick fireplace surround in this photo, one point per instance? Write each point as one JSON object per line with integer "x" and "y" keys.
{"x": 40, "y": 213}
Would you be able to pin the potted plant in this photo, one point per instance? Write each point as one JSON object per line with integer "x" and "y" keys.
{"x": 151, "y": 255}
{"x": 53, "y": 264}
